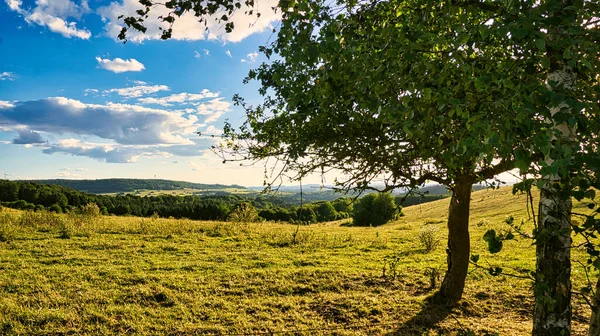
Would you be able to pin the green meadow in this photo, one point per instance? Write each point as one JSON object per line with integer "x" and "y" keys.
{"x": 76, "y": 274}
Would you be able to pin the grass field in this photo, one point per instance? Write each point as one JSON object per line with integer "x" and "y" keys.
{"x": 63, "y": 274}
{"x": 186, "y": 192}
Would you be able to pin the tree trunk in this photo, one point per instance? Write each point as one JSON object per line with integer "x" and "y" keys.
{"x": 552, "y": 314}
{"x": 458, "y": 242}
{"x": 595, "y": 319}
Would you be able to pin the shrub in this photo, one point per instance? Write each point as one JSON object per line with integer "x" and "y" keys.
{"x": 55, "y": 208}
{"x": 243, "y": 212}
{"x": 90, "y": 210}
{"x": 429, "y": 238}
{"x": 374, "y": 210}
{"x": 326, "y": 212}
{"x": 306, "y": 215}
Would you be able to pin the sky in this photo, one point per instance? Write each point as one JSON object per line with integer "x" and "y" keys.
{"x": 77, "y": 103}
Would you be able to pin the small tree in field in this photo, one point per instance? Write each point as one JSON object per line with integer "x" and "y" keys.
{"x": 374, "y": 210}
{"x": 243, "y": 212}
{"x": 91, "y": 210}
{"x": 326, "y": 212}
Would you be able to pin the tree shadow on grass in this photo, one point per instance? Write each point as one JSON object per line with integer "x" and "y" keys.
{"x": 432, "y": 312}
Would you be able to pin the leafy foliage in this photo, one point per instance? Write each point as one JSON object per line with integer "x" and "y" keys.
{"x": 374, "y": 210}
{"x": 243, "y": 212}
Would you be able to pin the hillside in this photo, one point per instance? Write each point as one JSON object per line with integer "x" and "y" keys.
{"x": 121, "y": 185}
{"x": 147, "y": 276}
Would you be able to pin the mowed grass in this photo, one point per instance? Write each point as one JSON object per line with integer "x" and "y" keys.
{"x": 63, "y": 274}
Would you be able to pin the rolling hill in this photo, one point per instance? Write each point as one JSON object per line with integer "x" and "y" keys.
{"x": 124, "y": 185}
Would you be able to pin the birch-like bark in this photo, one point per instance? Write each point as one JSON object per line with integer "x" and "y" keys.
{"x": 552, "y": 312}
{"x": 595, "y": 319}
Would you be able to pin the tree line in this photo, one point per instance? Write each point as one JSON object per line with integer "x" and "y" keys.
{"x": 370, "y": 210}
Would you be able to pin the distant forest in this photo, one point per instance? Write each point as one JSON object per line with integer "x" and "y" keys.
{"x": 123, "y": 185}
{"x": 279, "y": 207}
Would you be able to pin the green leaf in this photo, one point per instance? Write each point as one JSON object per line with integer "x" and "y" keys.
{"x": 494, "y": 242}
{"x": 495, "y": 271}
{"x": 541, "y": 44}
{"x": 475, "y": 258}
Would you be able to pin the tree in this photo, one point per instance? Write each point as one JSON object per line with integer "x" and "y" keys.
{"x": 374, "y": 210}
{"x": 306, "y": 215}
{"x": 325, "y": 212}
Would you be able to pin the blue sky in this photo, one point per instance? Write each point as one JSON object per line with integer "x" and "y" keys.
{"x": 77, "y": 103}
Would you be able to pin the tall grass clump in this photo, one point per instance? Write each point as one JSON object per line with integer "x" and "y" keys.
{"x": 8, "y": 227}
{"x": 428, "y": 236}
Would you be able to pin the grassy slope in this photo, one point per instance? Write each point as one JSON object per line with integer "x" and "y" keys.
{"x": 159, "y": 276}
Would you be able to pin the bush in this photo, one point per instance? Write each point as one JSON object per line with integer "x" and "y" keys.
{"x": 429, "y": 238}
{"x": 55, "y": 208}
{"x": 90, "y": 210}
{"x": 326, "y": 212}
{"x": 374, "y": 210}
{"x": 243, "y": 212}
{"x": 306, "y": 215}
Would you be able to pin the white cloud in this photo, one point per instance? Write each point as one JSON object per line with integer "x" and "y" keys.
{"x": 187, "y": 26}
{"x": 53, "y": 15}
{"x": 250, "y": 58}
{"x": 15, "y": 5}
{"x": 89, "y": 91}
{"x": 137, "y": 91}
{"x": 99, "y": 151}
{"x": 212, "y": 130}
{"x": 119, "y": 65}
{"x": 183, "y": 97}
{"x": 4, "y": 104}
{"x": 228, "y": 53}
{"x": 205, "y": 52}
{"x": 213, "y": 109}
{"x": 196, "y": 165}
{"x": 121, "y": 123}
{"x": 67, "y": 174}
{"x": 7, "y": 76}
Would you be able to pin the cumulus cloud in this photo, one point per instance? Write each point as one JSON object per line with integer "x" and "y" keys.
{"x": 99, "y": 151}
{"x": 180, "y": 98}
{"x": 213, "y": 109}
{"x": 250, "y": 58}
{"x": 53, "y": 14}
{"x": 137, "y": 91}
{"x": 125, "y": 124}
{"x": 4, "y": 104}
{"x": 119, "y": 65}
{"x": 28, "y": 137}
{"x": 187, "y": 26}
{"x": 7, "y": 76}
